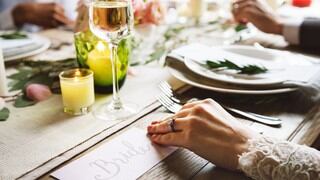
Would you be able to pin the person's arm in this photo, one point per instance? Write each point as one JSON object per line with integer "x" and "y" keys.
{"x": 297, "y": 31}
{"x": 47, "y": 15}
{"x": 205, "y": 128}
{"x": 310, "y": 33}
{"x": 269, "y": 158}
{"x": 291, "y": 30}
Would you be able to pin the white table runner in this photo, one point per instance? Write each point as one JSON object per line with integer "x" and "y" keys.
{"x": 43, "y": 134}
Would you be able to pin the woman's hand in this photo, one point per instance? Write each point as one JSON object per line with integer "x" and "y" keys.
{"x": 47, "y": 15}
{"x": 207, "y": 129}
{"x": 258, "y": 13}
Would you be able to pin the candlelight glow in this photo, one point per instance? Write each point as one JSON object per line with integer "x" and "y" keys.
{"x": 100, "y": 46}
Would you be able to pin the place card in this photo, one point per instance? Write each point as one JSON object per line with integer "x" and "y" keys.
{"x": 128, "y": 156}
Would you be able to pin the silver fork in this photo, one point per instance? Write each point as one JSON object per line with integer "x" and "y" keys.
{"x": 169, "y": 101}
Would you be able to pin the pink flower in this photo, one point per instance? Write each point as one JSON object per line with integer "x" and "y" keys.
{"x": 150, "y": 12}
{"x": 154, "y": 12}
{"x": 139, "y": 7}
{"x": 38, "y": 92}
{"x": 2, "y": 103}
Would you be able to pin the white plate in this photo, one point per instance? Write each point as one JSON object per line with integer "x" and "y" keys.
{"x": 280, "y": 60}
{"x": 43, "y": 43}
{"x": 224, "y": 89}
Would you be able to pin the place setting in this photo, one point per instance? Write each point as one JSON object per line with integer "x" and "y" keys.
{"x": 242, "y": 69}
{"x": 18, "y": 44}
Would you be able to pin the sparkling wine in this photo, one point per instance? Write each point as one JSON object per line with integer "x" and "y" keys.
{"x": 110, "y": 19}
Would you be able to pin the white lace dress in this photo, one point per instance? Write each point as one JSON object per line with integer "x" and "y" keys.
{"x": 269, "y": 158}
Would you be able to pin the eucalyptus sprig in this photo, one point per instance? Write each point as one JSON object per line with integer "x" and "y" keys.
{"x": 241, "y": 27}
{"x": 14, "y": 35}
{"x": 226, "y": 64}
{"x": 160, "y": 48}
{"x": 4, "y": 114}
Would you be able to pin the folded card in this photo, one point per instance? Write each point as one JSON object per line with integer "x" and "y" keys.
{"x": 128, "y": 156}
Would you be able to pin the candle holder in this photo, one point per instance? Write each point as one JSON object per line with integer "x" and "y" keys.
{"x": 93, "y": 53}
{"x": 77, "y": 89}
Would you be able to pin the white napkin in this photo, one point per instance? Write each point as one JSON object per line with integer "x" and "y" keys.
{"x": 292, "y": 69}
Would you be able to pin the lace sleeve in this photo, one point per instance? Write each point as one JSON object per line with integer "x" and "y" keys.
{"x": 269, "y": 158}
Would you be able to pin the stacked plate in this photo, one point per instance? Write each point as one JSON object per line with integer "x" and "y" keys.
{"x": 14, "y": 49}
{"x": 285, "y": 69}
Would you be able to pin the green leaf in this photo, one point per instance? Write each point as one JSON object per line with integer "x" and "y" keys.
{"x": 156, "y": 55}
{"x": 4, "y": 114}
{"x": 14, "y": 35}
{"x": 252, "y": 69}
{"x": 172, "y": 32}
{"x": 248, "y": 69}
{"x": 213, "y": 22}
{"x": 240, "y": 27}
{"x": 214, "y": 65}
{"x": 22, "y": 101}
{"x": 21, "y": 74}
{"x": 41, "y": 78}
{"x": 230, "y": 64}
{"x": 18, "y": 85}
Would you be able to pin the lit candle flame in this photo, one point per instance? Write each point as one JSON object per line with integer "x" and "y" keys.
{"x": 100, "y": 46}
{"x": 76, "y": 75}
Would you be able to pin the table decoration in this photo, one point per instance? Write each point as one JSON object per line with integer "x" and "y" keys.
{"x": 112, "y": 21}
{"x": 15, "y": 48}
{"x": 13, "y": 35}
{"x": 77, "y": 89}
{"x": 179, "y": 70}
{"x": 226, "y": 64}
{"x": 93, "y": 52}
{"x": 34, "y": 82}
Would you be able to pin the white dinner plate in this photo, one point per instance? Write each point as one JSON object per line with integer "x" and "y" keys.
{"x": 22, "y": 47}
{"x": 275, "y": 61}
{"x": 217, "y": 87}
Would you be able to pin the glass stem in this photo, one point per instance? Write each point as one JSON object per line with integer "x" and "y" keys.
{"x": 116, "y": 102}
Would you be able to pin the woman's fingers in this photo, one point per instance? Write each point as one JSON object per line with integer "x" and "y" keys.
{"x": 182, "y": 113}
{"x": 165, "y": 127}
{"x": 169, "y": 139}
{"x": 61, "y": 19}
{"x": 58, "y": 8}
{"x": 192, "y": 104}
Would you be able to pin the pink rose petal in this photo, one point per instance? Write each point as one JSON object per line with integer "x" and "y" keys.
{"x": 155, "y": 12}
{"x": 2, "y": 103}
{"x": 38, "y": 92}
{"x": 132, "y": 72}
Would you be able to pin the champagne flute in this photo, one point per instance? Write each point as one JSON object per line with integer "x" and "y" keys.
{"x": 112, "y": 20}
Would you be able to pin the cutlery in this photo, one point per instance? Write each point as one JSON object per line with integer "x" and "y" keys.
{"x": 170, "y": 101}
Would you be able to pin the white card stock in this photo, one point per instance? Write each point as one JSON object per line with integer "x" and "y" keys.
{"x": 127, "y": 156}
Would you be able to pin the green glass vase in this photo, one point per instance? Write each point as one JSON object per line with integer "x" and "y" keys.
{"x": 93, "y": 53}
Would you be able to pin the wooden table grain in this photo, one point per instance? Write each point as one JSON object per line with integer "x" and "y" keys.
{"x": 301, "y": 124}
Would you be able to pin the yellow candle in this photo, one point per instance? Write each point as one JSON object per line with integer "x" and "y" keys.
{"x": 77, "y": 89}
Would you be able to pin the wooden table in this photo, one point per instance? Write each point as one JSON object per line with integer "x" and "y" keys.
{"x": 301, "y": 124}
